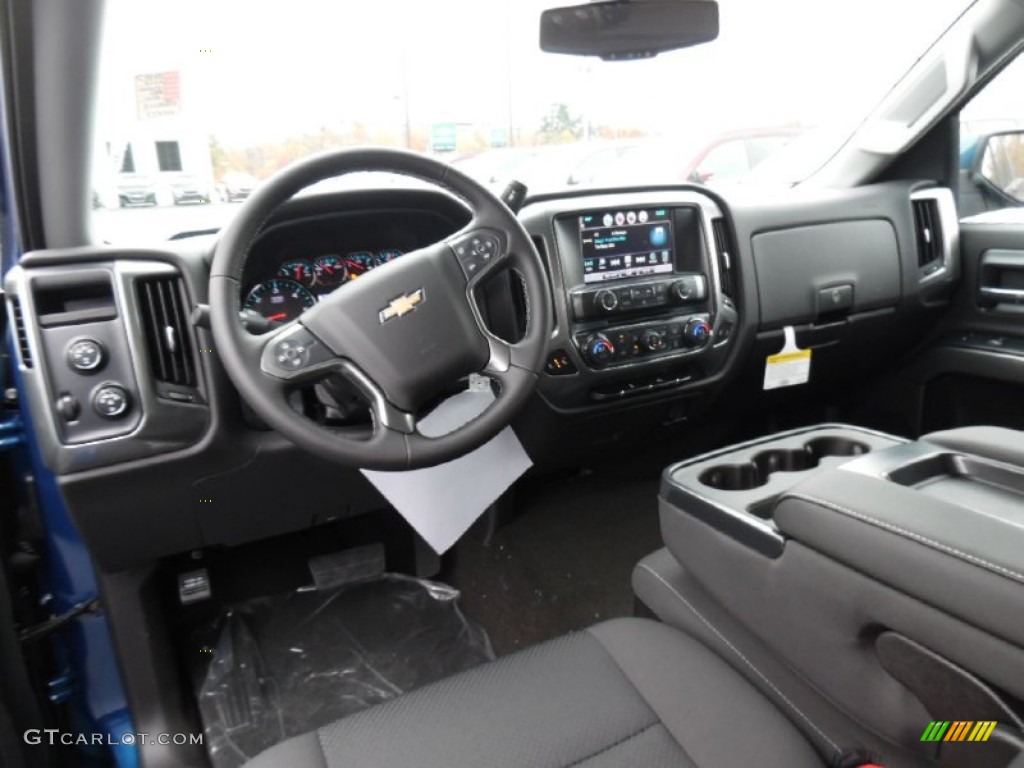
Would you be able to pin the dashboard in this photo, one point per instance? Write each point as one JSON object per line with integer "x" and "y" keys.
{"x": 667, "y": 302}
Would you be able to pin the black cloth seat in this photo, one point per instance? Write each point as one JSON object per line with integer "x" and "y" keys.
{"x": 628, "y": 692}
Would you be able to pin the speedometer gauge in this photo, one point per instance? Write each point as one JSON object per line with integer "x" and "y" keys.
{"x": 359, "y": 263}
{"x": 388, "y": 254}
{"x": 330, "y": 271}
{"x": 279, "y": 300}
{"x": 299, "y": 270}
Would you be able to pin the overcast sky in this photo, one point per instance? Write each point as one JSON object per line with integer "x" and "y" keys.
{"x": 254, "y": 70}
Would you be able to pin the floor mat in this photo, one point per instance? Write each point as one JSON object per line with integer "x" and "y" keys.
{"x": 281, "y": 666}
{"x": 563, "y": 563}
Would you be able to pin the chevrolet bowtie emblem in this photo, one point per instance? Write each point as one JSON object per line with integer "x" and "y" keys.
{"x": 402, "y": 306}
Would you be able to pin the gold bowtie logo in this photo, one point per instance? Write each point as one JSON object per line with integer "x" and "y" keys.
{"x": 402, "y": 306}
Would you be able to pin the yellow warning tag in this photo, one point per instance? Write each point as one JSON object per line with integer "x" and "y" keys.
{"x": 789, "y": 367}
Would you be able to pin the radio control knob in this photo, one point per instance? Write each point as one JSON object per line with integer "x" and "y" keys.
{"x": 685, "y": 290}
{"x": 599, "y": 349}
{"x": 653, "y": 341}
{"x": 606, "y": 300}
{"x": 697, "y": 332}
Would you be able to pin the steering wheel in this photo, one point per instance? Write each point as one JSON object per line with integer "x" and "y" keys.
{"x": 400, "y": 334}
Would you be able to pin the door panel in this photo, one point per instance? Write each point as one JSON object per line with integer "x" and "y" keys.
{"x": 972, "y": 370}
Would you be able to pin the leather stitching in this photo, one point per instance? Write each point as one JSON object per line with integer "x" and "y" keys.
{"x": 623, "y": 740}
{"x": 744, "y": 659}
{"x": 937, "y": 545}
{"x": 526, "y": 297}
{"x": 629, "y": 681}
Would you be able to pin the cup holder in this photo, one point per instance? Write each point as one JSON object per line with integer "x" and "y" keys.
{"x": 755, "y": 473}
{"x": 835, "y": 446}
{"x": 733, "y": 477}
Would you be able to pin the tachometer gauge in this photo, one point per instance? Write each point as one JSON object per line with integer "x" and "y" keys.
{"x": 330, "y": 271}
{"x": 388, "y": 254}
{"x": 279, "y": 300}
{"x": 359, "y": 263}
{"x": 299, "y": 270}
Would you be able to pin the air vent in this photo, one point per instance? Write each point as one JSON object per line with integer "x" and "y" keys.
{"x": 164, "y": 320}
{"x": 22, "y": 333}
{"x": 726, "y": 265}
{"x": 928, "y": 227}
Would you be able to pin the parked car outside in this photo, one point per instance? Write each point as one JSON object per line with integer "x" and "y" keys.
{"x": 135, "y": 190}
{"x": 190, "y": 189}
{"x": 723, "y": 157}
{"x": 236, "y": 186}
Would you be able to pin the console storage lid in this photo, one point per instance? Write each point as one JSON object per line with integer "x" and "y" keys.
{"x": 936, "y": 523}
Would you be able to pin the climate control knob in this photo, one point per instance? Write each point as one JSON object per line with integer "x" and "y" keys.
{"x": 697, "y": 333}
{"x": 653, "y": 341}
{"x": 599, "y": 349}
{"x": 606, "y": 300}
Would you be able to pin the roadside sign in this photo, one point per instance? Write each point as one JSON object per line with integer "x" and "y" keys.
{"x": 499, "y": 137}
{"x": 442, "y": 137}
{"x": 158, "y": 94}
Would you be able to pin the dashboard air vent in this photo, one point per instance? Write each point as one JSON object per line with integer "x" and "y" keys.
{"x": 726, "y": 265}
{"x": 21, "y": 333}
{"x": 165, "y": 322}
{"x": 928, "y": 227}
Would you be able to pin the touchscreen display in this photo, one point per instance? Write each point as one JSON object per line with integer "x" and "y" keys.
{"x": 626, "y": 243}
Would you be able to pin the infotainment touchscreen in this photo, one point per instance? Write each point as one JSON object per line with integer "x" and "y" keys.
{"x": 626, "y": 243}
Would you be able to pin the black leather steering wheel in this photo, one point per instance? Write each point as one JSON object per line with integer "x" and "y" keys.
{"x": 401, "y": 333}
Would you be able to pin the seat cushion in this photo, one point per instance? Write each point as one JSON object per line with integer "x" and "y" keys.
{"x": 625, "y": 692}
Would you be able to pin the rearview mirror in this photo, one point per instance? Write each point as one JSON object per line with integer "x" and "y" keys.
{"x": 1001, "y": 163}
{"x": 628, "y": 29}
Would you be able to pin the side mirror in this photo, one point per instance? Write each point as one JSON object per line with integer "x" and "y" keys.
{"x": 999, "y": 165}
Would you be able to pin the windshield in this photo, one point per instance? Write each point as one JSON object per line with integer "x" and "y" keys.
{"x": 200, "y": 100}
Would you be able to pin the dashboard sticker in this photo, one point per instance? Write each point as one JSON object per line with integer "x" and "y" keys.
{"x": 790, "y": 367}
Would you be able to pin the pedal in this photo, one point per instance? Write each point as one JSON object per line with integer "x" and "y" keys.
{"x": 194, "y": 586}
{"x": 350, "y": 566}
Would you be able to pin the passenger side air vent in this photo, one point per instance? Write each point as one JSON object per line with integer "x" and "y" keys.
{"x": 165, "y": 323}
{"x": 726, "y": 266}
{"x": 22, "y": 334}
{"x": 928, "y": 227}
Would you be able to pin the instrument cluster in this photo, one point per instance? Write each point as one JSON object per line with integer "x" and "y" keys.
{"x": 300, "y": 283}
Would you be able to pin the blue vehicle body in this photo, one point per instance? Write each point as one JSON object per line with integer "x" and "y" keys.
{"x": 88, "y": 680}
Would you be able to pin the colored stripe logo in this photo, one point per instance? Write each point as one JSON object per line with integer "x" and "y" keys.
{"x": 958, "y": 730}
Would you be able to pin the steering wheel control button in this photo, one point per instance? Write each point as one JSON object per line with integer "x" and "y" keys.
{"x": 68, "y": 407}
{"x": 111, "y": 401}
{"x": 291, "y": 355}
{"x": 86, "y": 356}
{"x": 476, "y": 251}
{"x": 559, "y": 364}
{"x": 293, "y": 352}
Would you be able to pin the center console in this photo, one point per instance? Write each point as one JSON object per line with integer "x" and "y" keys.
{"x": 643, "y": 293}
{"x": 638, "y": 283}
{"x": 868, "y": 583}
